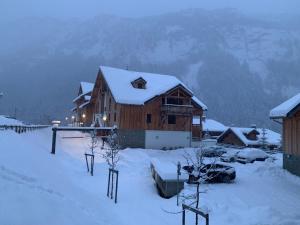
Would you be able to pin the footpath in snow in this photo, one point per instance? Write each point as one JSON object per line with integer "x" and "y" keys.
{"x": 39, "y": 188}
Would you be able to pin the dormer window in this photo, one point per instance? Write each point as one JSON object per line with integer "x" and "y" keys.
{"x": 139, "y": 83}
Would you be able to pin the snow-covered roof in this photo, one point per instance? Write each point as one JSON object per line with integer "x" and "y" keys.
{"x": 119, "y": 82}
{"x": 84, "y": 104}
{"x": 86, "y": 89}
{"x": 241, "y": 133}
{"x": 283, "y": 109}
{"x": 6, "y": 121}
{"x": 213, "y": 125}
{"x": 197, "y": 101}
{"x": 272, "y": 138}
{"x": 167, "y": 170}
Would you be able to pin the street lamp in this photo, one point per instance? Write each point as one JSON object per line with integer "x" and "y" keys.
{"x": 73, "y": 120}
{"x": 104, "y": 117}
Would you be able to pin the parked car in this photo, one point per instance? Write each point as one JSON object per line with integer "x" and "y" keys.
{"x": 251, "y": 155}
{"x": 213, "y": 172}
{"x": 213, "y": 151}
{"x": 229, "y": 156}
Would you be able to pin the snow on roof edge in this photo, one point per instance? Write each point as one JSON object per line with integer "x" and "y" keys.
{"x": 154, "y": 92}
{"x": 284, "y": 108}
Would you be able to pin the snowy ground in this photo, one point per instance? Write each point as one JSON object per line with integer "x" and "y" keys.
{"x": 39, "y": 188}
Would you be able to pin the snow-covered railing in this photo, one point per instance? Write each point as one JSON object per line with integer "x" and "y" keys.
{"x": 22, "y": 128}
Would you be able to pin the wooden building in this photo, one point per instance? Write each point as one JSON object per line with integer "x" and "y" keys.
{"x": 288, "y": 114}
{"x": 250, "y": 137}
{"x": 149, "y": 110}
{"x": 83, "y": 113}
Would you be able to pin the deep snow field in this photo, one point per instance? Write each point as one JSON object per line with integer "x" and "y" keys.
{"x": 37, "y": 188}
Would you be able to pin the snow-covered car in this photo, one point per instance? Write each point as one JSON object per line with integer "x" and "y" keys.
{"x": 213, "y": 172}
{"x": 229, "y": 156}
{"x": 251, "y": 155}
{"x": 213, "y": 151}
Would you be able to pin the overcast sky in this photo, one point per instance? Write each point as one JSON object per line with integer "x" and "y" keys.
{"x": 10, "y": 9}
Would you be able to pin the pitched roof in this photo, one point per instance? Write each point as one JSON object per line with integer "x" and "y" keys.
{"x": 272, "y": 138}
{"x": 213, "y": 125}
{"x": 119, "y": 82}
{"x": 286, "y": 107}
{"x": 86, "y": 89}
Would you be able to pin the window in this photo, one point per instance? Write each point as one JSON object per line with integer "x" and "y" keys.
{"x": 109, "y": 106}
{"x": 115, "y": 117}
{"x": 175, "y": 101}
{"x": 140, "y": 86}
{"x": 149, "y": 118}
{"x": 109, "y": 117}
{"x": 139, "y": 83}
{"x": 171, "y": 119}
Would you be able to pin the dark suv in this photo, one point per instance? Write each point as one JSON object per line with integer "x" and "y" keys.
{"x": 212, "y": 173}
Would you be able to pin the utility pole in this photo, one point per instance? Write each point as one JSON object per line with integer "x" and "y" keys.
{"x": 1, "y": 94}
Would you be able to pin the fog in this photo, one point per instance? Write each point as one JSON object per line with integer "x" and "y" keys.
{"x": 11, "y": 9}
{"x": 247, "y": 50}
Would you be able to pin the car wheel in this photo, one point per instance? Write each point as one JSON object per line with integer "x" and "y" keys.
{"x": 226, "y": 179}
{"x": 252, "y": 161}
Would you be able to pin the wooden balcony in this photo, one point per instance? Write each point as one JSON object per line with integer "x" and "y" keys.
{"x": 181, "y": 110}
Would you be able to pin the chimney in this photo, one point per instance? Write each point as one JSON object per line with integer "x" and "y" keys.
{"x": 253, "y": 126}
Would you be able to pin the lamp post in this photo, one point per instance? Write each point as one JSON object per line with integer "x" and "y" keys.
{"x": 83, "y": 118}
{"x": 104, "y": 118}
{"x": 73, "y": 120}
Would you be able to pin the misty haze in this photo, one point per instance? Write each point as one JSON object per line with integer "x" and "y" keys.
{"x": 173, "y": 95}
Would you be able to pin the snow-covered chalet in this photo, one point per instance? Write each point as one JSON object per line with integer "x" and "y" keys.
{"x": 83, "y": 112}
{"x": 250, "y": 137}
{"x": 149, "y": 110}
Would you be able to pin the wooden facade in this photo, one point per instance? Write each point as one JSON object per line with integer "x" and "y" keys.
{"x": 230, "y": 138}
{"x": 153, "y": 115}
{"x": 170, "y": 111}
{"x": 291, "y": 134}
{"x": 291, "y": 138}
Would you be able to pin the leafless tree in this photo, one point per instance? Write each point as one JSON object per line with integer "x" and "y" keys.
{"x": 112, "y": 149}
{"x": 198, "y": 173}
{"x": 94, "y": 143}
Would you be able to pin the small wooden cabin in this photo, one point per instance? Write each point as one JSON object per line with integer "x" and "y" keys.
{"x": 82, "y": 110}
{"x": 149, "y": 110}
{"x": 288, "y": 114}
{"x": 250, "y": 137}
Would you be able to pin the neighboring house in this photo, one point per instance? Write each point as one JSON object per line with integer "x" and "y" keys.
{"x": 149, "y": 110}
{"x": 9, "y": 121}
{"x": 288, "y": 114}
{"x": 83, "y": 111}
{"x": 250, "y": 137}
{"x": 212, "y": 128}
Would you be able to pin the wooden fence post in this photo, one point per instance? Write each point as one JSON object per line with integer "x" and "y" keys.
{"x": 53, "y": 141}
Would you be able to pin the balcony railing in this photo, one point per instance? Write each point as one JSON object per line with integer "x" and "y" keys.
{"x": 184, "y": 110}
